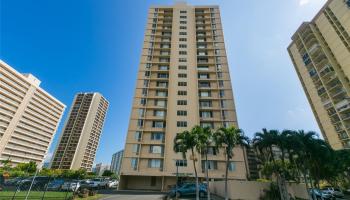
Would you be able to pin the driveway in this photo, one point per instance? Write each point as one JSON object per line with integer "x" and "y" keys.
{"x": 138, "y": 195}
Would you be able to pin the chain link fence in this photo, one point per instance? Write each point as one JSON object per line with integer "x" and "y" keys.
{"x": 50, "y": 188}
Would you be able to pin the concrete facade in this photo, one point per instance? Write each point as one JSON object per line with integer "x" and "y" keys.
{"x": 116, "y": 162}
{"x": 320, "y": 52}
{"x": 183, "y": 81}
{"x": 29, "y": 117}
{"x": 81, "y": 134}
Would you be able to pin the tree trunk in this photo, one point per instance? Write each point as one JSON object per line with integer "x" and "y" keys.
{"x": 195, "y": 173}
{"x": 306, "y": 183}
{"x": 207, "y": 173}
{"x": 226, "y": 175}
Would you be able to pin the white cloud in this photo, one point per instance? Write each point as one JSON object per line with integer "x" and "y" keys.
{"x": 303, "y": 2}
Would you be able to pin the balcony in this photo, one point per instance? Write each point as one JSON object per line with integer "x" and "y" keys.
{"x": 343, "y": 105}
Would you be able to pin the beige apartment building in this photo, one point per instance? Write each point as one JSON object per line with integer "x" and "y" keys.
{"x": 183, "y": 81}
{"x": 81, "y": 133}
{"x": 320, "y": 52}
{"x": 29, "y": 117}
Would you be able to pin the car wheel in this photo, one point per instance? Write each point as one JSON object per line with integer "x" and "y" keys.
{"x": 201, "y": 194}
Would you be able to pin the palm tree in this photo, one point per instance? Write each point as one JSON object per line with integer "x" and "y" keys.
{"x": 229, "y": 138}
{"x": 265, "y": 141}
{"x": 204, "y": 141}
{"x": 188, "y": 140}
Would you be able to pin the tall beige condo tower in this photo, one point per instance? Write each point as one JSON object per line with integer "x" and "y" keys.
{"x": 320, "y": 52}
{"x": 81, "y": 134}
{"x": 29, "y": 117}
{"x": 183, "y": 81}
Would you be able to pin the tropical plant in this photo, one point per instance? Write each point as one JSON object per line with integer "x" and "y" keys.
{"x": 228, "y": 139}
{"x": 204, "y": 143}
{"x": 187, "y": 141}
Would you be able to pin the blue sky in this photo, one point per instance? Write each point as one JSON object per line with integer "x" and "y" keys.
{"x": 89, "y": 45}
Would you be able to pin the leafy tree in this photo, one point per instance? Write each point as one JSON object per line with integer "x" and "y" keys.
{"x": 108, "y": 173}
{"x": 187, "y": 141}
{"x": 27, "y": 167}
{"x": 205, "y": 138}
{"x": 228, "y": 139}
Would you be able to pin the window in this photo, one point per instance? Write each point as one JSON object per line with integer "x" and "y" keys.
{"x": 206, "y": 68}
{"x": 156, "y": 149}
{"x": 162, "y": 84}
{"x": 135, "y": 148}
{"x": 221, "y": 83}
{"x": 182, "y": 33}
{"x": 161, "y": 93}
{"x": 206, "y": 114}
{"x": 182, "y": 75}
{"x": 224, "y": 114}
{"x": 183, "y": 22}
{"x": 182, "y": 93}
{"x": 212, "y": 164}
{"x": 157, "y": 136}
{"x": 207, "y": 124}
{"x": 183, "y": 17}
{"x": 232, "y": 166}
{"x": 181, "y": 163}
{"x": 137, "y": 136}
{"x": 227, "y": 124}
{"x": 181, "y": 124}
{"x": 204, "y": 93}
{"x": 203, "y": 76}
{"x": 183, "y": 27}
{"x": 182, "y": 45}
{"x": 161, "y": 103}
{"x": 182, "y": 67}
{"x": 148, "y": 65}
{"x": 183, "y": 52}
{"x": 144, "y": 92}
{"x": 223, "y": 103}
{"x": 211, "y": 151}
{"x": 181, "y": 102}
{"x": 153, "y": 181}
{"x": 204, "y": 84}
{"x": 182, "y": 60}
{"x": 181, "y": 113}
{"x": 154, "y": 163}
{"x": 159, "y": 113}
{"x": 134, "y": 163}
{"x": 158, "y": 124}
{"x": 163, "y": 67}
{"x": 140, "y": 122}
{"x": 143, "y": 101}
{"x": 162, "y": 75}
{"x": 219, "y": 67}
{"x": 141, "y": 112}
{"x": 147, "y": 73}
{"x": 182, "y": 84}
{"x": 183, "y": 11}
{"x": 182, "y": 39}
{"x": 221, "y": 93}
{"x": 145, "y": 83}
{"x": 205, "y": 103}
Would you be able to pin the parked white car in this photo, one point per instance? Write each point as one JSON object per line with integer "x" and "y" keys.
{"x": 71, "y": 186}
{"x": 98, "y": 183}
{"x": 336, "y": 192}
{"x": 113, "y": 183}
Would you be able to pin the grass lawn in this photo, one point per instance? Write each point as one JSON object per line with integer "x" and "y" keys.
{"x": 34, "y": 195}
{"x": 7, "y": 195}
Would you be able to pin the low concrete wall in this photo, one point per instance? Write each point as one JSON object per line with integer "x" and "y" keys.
{"x": 252, "y": 190}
